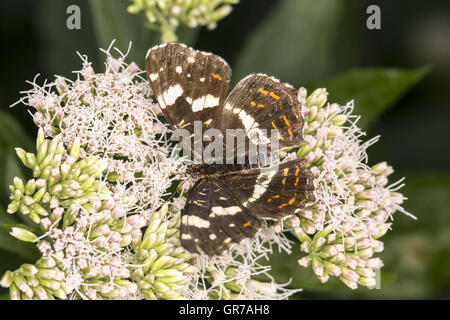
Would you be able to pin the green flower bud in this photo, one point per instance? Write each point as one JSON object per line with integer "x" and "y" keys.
{"x": 39, "y": 210}
{"x": 40, "y": 138}
{"x": 42, "y": 152}
{"x": 31, "y": 159}
{"x": 75, "y": 150}
{"x": 14, "y": 292}
{"x": 7, "y": 279}
{"x": 22, "y": 154}
{"x": 23, "y": 234}
{"x": 18, "y": 184}
{"x": 46, "y": 262}
{"x": 339, "y": 119}
{"x": 30, "y": 187}
{"x": 28, "y": 269}
{"x": 13, "y": 207}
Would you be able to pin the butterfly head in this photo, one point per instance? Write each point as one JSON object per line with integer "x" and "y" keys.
{"x": 196, "y": 171}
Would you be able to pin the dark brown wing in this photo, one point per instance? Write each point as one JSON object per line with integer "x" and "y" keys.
{"x": 262, "y": 102}
{"x": 272, "y": 193}
{"x": 213, "y": 219}
{"x": 188, "y": 84}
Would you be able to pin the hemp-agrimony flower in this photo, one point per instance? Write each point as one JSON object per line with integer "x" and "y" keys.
{"x": 340, "y": 230}
{"x": 108, "y": 188}
{"x": 112, "y": 116}
{"x": 83, "y": 227}
{"x": 166, "y": 15}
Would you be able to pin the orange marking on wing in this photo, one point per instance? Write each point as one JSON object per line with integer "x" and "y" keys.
{"x": 274, "y": 126}
{"x": 297, "y": 171}
{"x": 217, "y": 76}
{"x": 283, "y": 205}
{"x": 273, "y": 95}
{"x": 296, "y": 181}
{"x": 286, "y": 170}
{"x": 263, "y": 91}
{"x": 284, "y": 181}
{"x": 269, "y": 200}
{"x": 253, "y": 103}
{"x": 277, "y": 196}
{"x": 290, "y": 132}
{"x": 260, "y": 105}
{"x": 286, "y": 120}
{"x": 247, "y": 224}
{"x": 291, "y": 201}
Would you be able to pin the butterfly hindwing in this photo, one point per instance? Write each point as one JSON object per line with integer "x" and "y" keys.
{"x": 213, "y": 219}
{"x": 272, "y": 192}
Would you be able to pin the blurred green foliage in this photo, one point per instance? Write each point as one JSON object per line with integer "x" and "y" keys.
{"x": 308, "y": 43}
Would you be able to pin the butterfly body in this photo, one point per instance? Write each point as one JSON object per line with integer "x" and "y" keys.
{"x": 229, "y": 200}
{"x": 204, "y": 170}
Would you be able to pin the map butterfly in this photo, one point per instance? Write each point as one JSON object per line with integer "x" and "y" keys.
{"x": 228, "y": 202}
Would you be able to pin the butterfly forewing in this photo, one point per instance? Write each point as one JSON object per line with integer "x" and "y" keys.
{"x": 188, "y": 84}
{"x": 262, "y": 102}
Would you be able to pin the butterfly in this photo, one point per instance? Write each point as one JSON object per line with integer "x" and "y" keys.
{"x": 228, "y": 202}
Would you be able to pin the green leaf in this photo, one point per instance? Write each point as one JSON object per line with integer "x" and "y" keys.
{"x": 4, "y": 296}
{"x": 374, "y": 90}
{"x": 11, "y": 261}
{"x": 112, "y": 21}
{"x": 12, "y": 134}
{"x": 295, "y": 42}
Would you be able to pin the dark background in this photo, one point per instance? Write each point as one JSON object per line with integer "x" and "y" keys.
{"x": 414, "y": 130}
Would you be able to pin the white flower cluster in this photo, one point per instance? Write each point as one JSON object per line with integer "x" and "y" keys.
{"x": 112, "y": 116}
{"x": 110, "y": 225}
{"x": 340, "y": 230}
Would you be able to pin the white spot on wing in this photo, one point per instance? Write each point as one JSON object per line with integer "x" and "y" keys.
{"x": 171, "y": 95}
{"x": 153, "y": 76}
{"x": 179, "y": 69}
{"x": 262, "y": 182}
{"x": 211, "y": 101}
{"x": 197, "y": 222}
{"x": 203, "y": 102}
{"x": 229, "y": 211}
{"x": 246, "y": 119}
